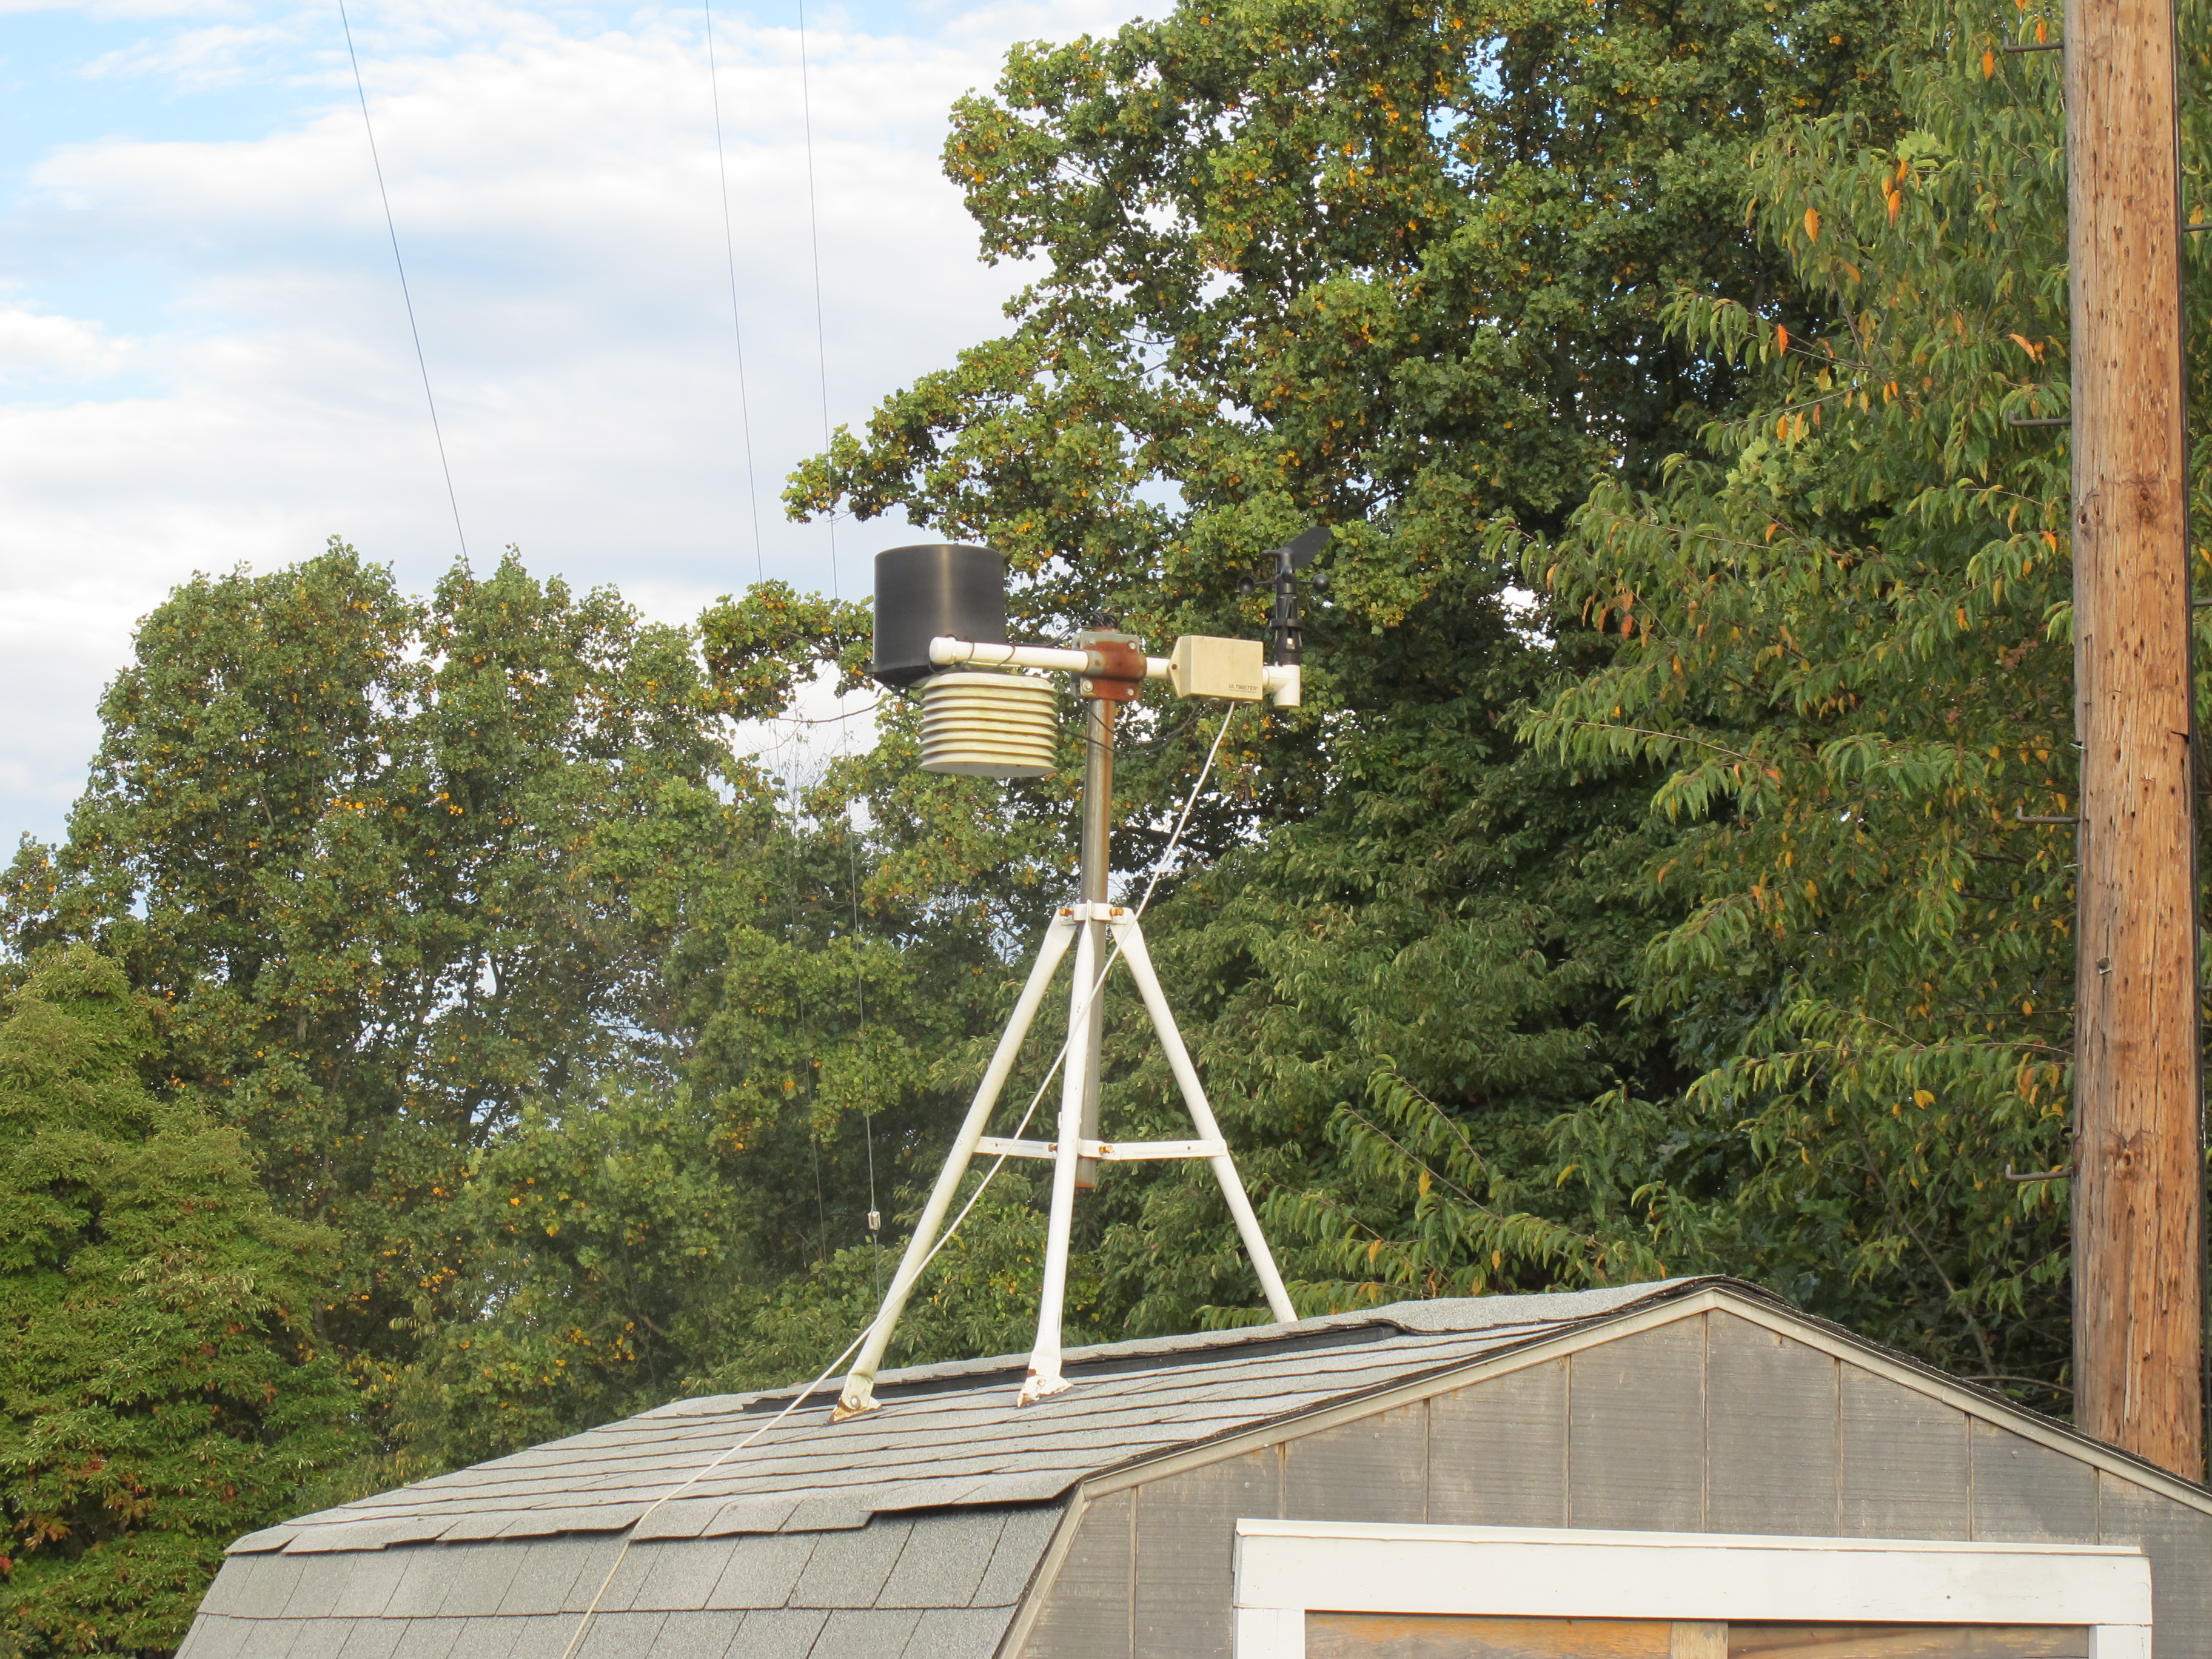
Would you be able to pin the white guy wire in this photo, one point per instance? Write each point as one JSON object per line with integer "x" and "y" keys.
{"x": 1159, "y": 868}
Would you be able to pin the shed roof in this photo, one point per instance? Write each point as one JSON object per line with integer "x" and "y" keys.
{"x": 916, "y": 1533}
{"x": 949, "y": 1436}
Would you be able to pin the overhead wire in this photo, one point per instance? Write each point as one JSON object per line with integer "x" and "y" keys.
{"x": 737, "y": 325}
{"x": 799, "y": 1399}
{"x": 844, "y": 734}
{"x": 406, "y": 296}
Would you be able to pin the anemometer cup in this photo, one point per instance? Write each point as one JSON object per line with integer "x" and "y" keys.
{"x": 938, "y": 588}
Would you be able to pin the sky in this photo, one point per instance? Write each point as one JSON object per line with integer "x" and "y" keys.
{"x": 205, "y": 357}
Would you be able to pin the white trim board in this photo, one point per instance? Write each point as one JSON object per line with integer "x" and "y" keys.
{"x": 1287, "y": 1569}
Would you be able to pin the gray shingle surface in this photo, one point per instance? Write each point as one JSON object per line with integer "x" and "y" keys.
{"x": 863, "y": 1634}
{"x": 847, "y": 1569}
{"x": 761, "y": 1570}
{"x": 542, "y": 1635}
{"x": 547, "y": 1575}
{"x": 427, "y": 1638}
{"x": 365, "y": 1582}
{"x": 478, "y": 1576}
{"x": 682, "y": 1575}
{"x": 212, "y": 1636}
{"x": 784, "y": 1633}
{"x": 621, "y": 1635}
{"x": 957, "y": 1633}
{"x": 912, "y": 1534}
{"x": 320, "y": 1638}
{"x": 486, "y": 1639}
{"x": 947, "y": 1435}
{"x": 424, "y": 1582}
{"x": 372, "y": 1639}
{"x": 943, "y": 1566}
{"x": 695, "y": 1635}
{"x": 1021, "y": 1546}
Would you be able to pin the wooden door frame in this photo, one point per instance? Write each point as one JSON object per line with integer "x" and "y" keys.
{"x": 1287, "y": 1569}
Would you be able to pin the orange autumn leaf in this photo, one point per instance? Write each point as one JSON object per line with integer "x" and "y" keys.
{"x": 1812, "y": 224}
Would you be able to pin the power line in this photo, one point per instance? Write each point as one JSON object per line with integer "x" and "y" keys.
{"x": 844, "y": 733}
{"x": 814, "y": 244}
{"x": 737, "y": 328}
{"x": 407, "y": 298}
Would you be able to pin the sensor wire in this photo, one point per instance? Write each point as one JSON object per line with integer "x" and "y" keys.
{"x": 1159, "y": 869}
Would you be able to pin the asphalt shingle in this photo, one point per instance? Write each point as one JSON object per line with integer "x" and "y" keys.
{"x": 957, "y": 1633}
{"x": 947, "y": 1434}
{"x": 913, "y": 1533}
{"x": 783, "y": 1633}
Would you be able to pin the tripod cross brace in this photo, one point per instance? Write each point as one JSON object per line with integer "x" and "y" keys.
{"x": 1069, "y": 1148}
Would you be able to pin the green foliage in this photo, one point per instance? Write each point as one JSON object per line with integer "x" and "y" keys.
{"x": 1681, "y": 914}
{"x": 1404, "y": 270}
{"x": 595, "y": 1244}
{"x": 1462, "y": 920}
{"x": 160, "y": 1391}
{"x": 1844, "y": 627}
{"x": 393, "y": 868}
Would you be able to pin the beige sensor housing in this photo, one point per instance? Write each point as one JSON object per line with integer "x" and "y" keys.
{"x": 1203, "y": 666}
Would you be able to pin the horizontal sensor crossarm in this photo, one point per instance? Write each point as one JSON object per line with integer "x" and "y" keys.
{"x": 946, "y": 651}
{"x": 1203, "y": 669}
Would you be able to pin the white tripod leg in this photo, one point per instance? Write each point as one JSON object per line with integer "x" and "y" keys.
{"x": 859, "y": 1395}
{"x": 1131, "y": 939}
{"x": 1044, "y": 1377}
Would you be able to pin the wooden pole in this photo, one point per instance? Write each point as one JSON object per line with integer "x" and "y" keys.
{"x": 2139, "y": 1185}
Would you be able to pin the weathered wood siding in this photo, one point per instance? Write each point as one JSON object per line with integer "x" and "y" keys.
{"x": 1709, "y": 1423}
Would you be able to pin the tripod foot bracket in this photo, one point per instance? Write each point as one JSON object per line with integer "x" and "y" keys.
{"x": 1040, "y": 1385}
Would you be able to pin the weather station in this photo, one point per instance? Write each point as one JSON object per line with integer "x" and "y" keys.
{"x": 991, "y": 708}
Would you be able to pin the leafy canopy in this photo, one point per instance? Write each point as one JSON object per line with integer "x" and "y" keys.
{"x": 160, "y": 1389}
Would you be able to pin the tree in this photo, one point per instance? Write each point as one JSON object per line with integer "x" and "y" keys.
{"x": 1402, "y": 270}
{"x": 393, "y": 868}
{"x": 1844, "y": 627}
{"x": 160, "y": 1389}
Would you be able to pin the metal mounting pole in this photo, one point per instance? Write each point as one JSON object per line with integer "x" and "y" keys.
{"x": 1044, "y": 1374}
{"x": 1098, "y": 722}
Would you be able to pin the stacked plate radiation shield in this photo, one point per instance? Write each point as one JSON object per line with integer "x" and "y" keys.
{"x": 989, "y": 726}
{"x": 976, "y": 723}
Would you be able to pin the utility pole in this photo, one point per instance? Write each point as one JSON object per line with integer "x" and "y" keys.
{"x": 2139, "y": 1175}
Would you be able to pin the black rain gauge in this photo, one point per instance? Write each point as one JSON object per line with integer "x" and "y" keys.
{"x": 941, "y": 624}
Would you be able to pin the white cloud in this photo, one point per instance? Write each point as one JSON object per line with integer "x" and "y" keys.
{"x": 205, "y": 359}
{"x": 37, "y": 347}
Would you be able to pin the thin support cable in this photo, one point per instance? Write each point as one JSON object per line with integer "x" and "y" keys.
{"x": 814, "y": 245}
{"x": 392, "y": 230}
{"x": 737, "y": 327}
{"x": 584, "y": 1624}
{"x": 867, "y": 1111}
{"x": 822, "y": 388}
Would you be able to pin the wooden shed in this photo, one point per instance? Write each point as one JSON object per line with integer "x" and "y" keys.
{"x": 1687, "y": 1470}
